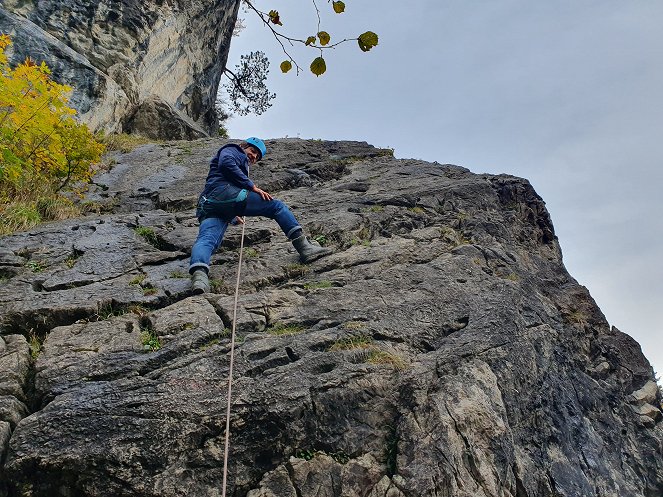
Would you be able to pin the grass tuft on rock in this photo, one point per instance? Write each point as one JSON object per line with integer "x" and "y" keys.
{"x": 295, "y": 270}
{"x": 354, "y": 325}
{"x": 217, "y": 285}
{"x": 382, "y": 357}
{"x": 35, "y": 344}
{"x": 149, "y": 338}
{"x": 123, "y": 142}
{"x": 28, "y": 211}
{"x": 369, "y": 352}
{"x": 315, "y": 285}
{"x": 148, "y": 235}
{"x": 250, "y": 252}
{"x": 138, "y": 279}
{"x": 351, "y": 343}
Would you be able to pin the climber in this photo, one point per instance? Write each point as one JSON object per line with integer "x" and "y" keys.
{"x": 228, "y": 195}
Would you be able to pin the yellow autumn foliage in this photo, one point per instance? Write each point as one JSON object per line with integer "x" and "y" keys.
{"x": 43, "y": 149}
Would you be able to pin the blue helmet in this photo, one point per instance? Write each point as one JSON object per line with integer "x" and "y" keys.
{"x": 259, "y": 144}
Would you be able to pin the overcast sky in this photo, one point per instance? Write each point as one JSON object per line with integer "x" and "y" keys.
{"x": 568, "y": 94}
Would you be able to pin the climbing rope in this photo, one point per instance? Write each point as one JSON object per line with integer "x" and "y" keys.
{"x": 232, "y": 360}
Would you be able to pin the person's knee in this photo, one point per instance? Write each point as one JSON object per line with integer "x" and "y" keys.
{"x": 206, "y": 240}
{"x": 276, "y": 207}
{"x": 279, "y": 206}
{"x": 208, "y": 235}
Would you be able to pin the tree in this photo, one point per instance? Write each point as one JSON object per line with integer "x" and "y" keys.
{"x": 42, "y": 147}
{"x": 247, "y": 89}
{"x": 246, "y": 85}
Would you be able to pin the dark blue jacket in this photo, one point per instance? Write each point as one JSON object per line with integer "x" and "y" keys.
{"x": 229, "y": 166}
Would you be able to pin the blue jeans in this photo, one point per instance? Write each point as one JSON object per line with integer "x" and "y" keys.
{"x": 212, "y": 229}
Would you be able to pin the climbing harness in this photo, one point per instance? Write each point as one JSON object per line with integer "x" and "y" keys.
{"x": 232, "y": 360}
{"x": 225, "y": 202}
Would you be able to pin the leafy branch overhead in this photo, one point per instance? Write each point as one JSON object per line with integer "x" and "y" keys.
{"x": 322, "y": 40}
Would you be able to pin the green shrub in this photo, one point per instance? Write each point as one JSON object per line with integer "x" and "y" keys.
{"x": 321, "y": 239}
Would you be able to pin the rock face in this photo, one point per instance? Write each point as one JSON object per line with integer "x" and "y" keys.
{"x": 442, "y": 350}
{"x": 151, "y": 67}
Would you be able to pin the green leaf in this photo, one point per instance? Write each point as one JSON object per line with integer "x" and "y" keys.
{"x": 318, "y": 66}
{"x": 324, "y": 37}
{"x": 309, "y": 40}
{"x": 367, "y": 40}
{"x": 338, "y": 7}
{"x": 286, "y": 65}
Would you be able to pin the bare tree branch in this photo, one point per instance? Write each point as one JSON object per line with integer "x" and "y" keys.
{"x": 264, "y": 17}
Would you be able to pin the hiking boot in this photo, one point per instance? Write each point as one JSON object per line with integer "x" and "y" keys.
{"x": 307, "y": 251}
{"x": 199, "y": 282}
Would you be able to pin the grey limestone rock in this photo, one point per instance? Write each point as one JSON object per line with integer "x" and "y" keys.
{"x": 442, "y": 349}
{"x": 15, "y": 375}
{"x": 647, "y": 393}
{"x": 5, "y": 435}
{"x": 14, "y": 366}
{"x": 12, "y": 410}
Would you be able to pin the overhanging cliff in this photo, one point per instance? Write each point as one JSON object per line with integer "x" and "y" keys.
{"x": 442, "y": 350}
{"x": 150, "y": 67}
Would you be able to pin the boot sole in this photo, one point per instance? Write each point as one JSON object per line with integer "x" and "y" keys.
{"x": 313, "y": 257}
